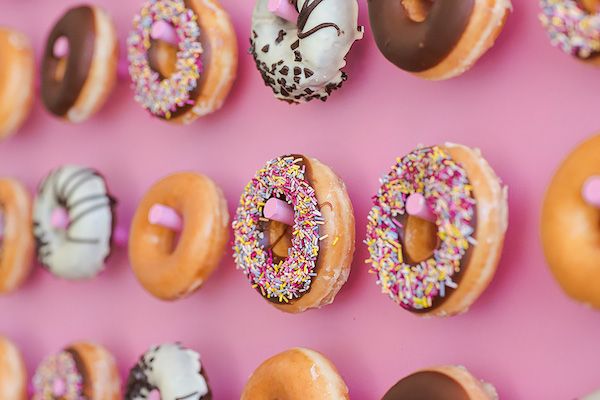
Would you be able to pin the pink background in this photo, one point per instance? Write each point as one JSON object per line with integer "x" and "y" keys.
{"x": 525, "y": 104}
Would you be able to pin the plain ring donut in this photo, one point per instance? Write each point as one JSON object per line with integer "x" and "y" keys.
{"x": 13, "y": 375}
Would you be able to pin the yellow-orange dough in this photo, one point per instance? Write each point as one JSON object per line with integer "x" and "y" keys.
{"x": 13, "y": 375}
{"x": 296, "y": 374}
{"x": 169, "y": 269}
{"x": 102, "y": 375}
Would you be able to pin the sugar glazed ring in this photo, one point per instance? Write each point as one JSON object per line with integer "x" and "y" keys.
{"x": 80, "y": 371}
{"x": 296, "y": 374}
{"x": 13, "y": 375}
{"x": 73, "y": 221}
{"x": 79, "y": 66}
{"x": 447, "y": 382}
{"x": 16, "y": 80}
{"x": 304, "y": 265}
{"x": 573, "y": 26}
{"x": 436, "y": 40}
{"x": 16, "y": 240}
{"x": 302, "y": 59}
{"x": 441, "y": 267}
{"x": 182, "y": 82}
{"x": 172, "y": 268}
{"x": 172, "y": 370}
{"x": 569, "y": 224}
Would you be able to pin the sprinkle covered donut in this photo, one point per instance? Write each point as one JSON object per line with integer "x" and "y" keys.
{"x": 73, "y": 220}
{"x": 301, "y": 262}
{"x": 173, "y": 371}
{"x": 13, "y": 375}
{"x": 191, "y": 76}
{"x": 301, "y": 58}
{"x": 440, "y": 260}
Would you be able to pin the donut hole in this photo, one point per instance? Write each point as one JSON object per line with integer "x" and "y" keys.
{"x": 420, "y": 239}
{"x": 162, "y": 58}
{"x": 418, "y": 9}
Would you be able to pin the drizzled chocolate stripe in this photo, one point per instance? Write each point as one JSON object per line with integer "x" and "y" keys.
{"x": 305, "y": 12}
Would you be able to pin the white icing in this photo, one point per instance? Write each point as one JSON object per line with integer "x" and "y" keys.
{"x": 79, "y": 251}
{"x": 323, "y": 52}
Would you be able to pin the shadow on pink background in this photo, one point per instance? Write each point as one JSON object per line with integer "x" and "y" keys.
{"x": 525, "y": 104}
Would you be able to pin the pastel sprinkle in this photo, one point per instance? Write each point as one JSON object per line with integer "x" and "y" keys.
{"x": 58, "y": 368}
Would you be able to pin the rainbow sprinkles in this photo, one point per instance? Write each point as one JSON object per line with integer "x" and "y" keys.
{"x": 444, "y": 184}
{"x": 58, "y": 378}
{"x": 288, "y": 279}
{"x": 163, "y": 97}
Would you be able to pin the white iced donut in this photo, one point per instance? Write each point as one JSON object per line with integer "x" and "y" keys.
{"x": 172, "y": 370}
{"x": 78, "y": 249}
{"x": 302, "y": 61}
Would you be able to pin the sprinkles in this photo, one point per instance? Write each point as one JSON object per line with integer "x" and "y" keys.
{"x": 445, "y": 186}
{"x": 164, "y": 97}
{"x": 570, "y": 27}
{"x": 58, "y": 378}
{"x": 288, "y": 279}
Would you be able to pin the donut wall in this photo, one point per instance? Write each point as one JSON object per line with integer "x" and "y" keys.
{"x": 525, "y": 104}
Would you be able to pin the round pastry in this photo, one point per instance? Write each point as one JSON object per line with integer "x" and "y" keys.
{"x": 305, "y": 263}
{"x": 436, "y": 39}
{"x": 296, "y": 374}
{"x": 569, "y": 225}
{"x": 79, "y": 68}
{"x": 13, "y": 375}
{"x": 16, "y": 240}
{"x": 573, "y": 26}
{"x": 16, "y": 80}
{"x": 440, "y": 267}
{"x": 173, "y": 371}
{"x": 446, "y": 382}
{"x": 81, "y": 371}
{"x": 302, "y": 59}
{"x": 73, "y": 220}
{"x": 171, "y": 265}
{"x": 183, "y": 81}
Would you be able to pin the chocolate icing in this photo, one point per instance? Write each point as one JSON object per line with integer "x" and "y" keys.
{"x": 307, "y": 8}
{"x": 418, "y": 46}
{"x": 427, "y": 385}
{"x": 79, "y": 28}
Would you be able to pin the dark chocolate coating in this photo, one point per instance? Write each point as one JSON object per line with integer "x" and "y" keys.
{"x": 427, "y": 385}
{"x": 418, "y": 46}
{"x": 79, "y": 28}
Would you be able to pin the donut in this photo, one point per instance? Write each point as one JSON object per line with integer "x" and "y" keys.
{"x": 80, "y": 371}
{"x": 182, "y": 82}
{"x": 168, "y": 265}
{"x": 16, "y": 240}
{"x": 437, "y": 268}
{"x": 447, "y": 382}
{"x": 569, "y": 225}
{"x": 79, "y": 247}
{"x": 13, "y": 375}
{"x": 574, "y": 27}
{"x": 296, "y": 374}
{"x": 16, "y": 80}
{"x": 302, "y": 60}
{"x": 77, "y": 80}
{"x": 172, "y": 370}
{"x": 304, "y": 265}
{"x": 436, "y": 39}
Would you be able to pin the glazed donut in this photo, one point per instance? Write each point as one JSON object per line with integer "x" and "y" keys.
{"x": 296, "y": 374}
{"x": 302, "y": 60}
{"x": 441, "y": 267}
{"x": 573, "y": 26}
{"x": 191, "y": 80}
{"x": 16, "y": 80}
{"x": 80, "y": 371}
{"x": 436, "y": 39}
{"x": 16, "y": 240}
{"x": 569, "y": 225}
{"x": 13, "y": 375}
{"x": 79, "y": 248}
{"x": 172, "y": 370}
{"x": 448, "y": 382}
{"x": 170, "y": 268}
{"x": 305, "y": 265}
{"x": 77, "y": 80}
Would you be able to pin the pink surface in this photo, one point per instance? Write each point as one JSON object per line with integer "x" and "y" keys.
{"x": 525, "y": 104}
